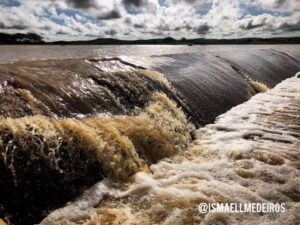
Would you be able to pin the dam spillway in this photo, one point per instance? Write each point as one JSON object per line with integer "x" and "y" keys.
{"x": 66, "y": 124}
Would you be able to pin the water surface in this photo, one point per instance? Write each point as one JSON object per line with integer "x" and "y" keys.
{"x": 13, "y": 53}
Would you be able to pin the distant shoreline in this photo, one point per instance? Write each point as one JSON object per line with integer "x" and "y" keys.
{"x": 35, "y": 39}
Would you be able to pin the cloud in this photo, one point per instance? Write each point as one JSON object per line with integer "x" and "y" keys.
{"x": 202, "y": 29}
{"x": 113, "y": 14}
{"x": 188, "y": 1}
{"x": 140, "y": 6}
{"x": 142, "y": 19}
{"x": 128, "y": 20}
{"x": 134, "y": 3}
{"x": 290, "y": 26}
{"x": 12, "y": 27}
{"x": 270, "y": 24}
{"x": 100, "y": 9}
{"x": 61, "y": 32}
{"x": 292, "y": 5}
{"x": 253, "y": 22}
{"x": 83, "y": 4}
{"x": 16, "y": 27}
{"x": 111, "y": 32}
{"x": 224, "y": 11}
{"x": 139, "y": 25}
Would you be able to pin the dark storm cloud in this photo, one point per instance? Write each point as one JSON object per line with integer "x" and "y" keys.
{"x": 113, "y": 14}
{"x": 202, "y": 29}
{"x": 139, "y": 25}
{"x": 134, "y": 3}
{"x": 85, "y": 5}
{"x": 82, "y": 4}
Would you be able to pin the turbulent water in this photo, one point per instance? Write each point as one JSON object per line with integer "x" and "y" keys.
{"x": 68, "y": 124}
{"x": 250, "y": 154}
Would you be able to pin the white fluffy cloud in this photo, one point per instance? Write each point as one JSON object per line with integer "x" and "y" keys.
{"x": 141, "y": 19}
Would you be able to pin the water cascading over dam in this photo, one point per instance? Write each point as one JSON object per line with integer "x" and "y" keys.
{"x": 66, "y": 124}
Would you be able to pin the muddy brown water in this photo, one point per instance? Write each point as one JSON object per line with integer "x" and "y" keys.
{"x": 68, "y": 123}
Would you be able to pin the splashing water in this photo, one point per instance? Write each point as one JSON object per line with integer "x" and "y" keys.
{"x": 250, "y": 154}
{"x": 65, "y": 156}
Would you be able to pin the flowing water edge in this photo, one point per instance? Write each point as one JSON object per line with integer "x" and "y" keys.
{"x": 135, "y": 137}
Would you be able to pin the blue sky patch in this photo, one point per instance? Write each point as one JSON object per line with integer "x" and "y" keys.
{"x": 255, "y": 11}
{"x": 204, "y": 8}
{"x": 10, "y": 3}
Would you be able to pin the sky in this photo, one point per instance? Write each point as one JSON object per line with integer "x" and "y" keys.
{"x": 145, "y": 19}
